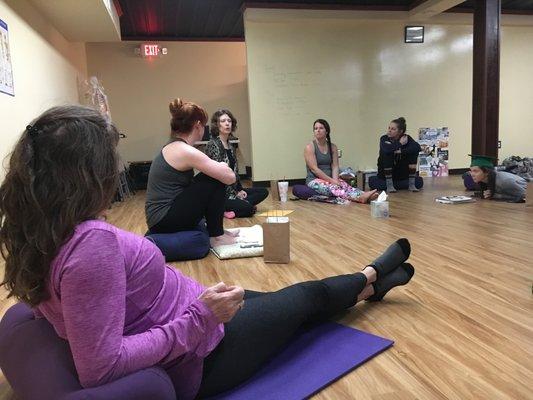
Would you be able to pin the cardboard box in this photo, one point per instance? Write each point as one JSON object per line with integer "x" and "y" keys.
{"x": 362, "y": 178}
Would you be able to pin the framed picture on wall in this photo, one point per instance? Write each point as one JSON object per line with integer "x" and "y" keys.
{"x": 6, "y": 69}
{"x": 414, "y": 34}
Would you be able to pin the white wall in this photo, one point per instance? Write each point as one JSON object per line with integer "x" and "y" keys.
{"x": 516, "y": 91}
{"x": 359, "y": 74}
{"x": 212, "y": 74}
{"x": 46, "y": 70}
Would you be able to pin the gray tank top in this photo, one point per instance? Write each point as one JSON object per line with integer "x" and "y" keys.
{"x": 165, "y": 183}
{"x": 323, "y": 162}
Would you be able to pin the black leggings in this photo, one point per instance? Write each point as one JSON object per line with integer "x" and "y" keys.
{"x": 268, "y": 321}
{"x": 375, "y": 182}
{"x": 246, "y": 207}
{"x": 204, "y": 197}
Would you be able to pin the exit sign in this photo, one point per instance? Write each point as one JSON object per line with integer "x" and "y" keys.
{"x": 150, "y": 50}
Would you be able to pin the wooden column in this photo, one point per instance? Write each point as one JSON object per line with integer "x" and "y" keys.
{"x": 486, "y": 77}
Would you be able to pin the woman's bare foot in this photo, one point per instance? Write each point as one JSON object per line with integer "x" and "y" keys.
{"x": 229, "y": 214}
{"x": 234, "y": 233}
{"x": 222, "y": 240}
{"x": 367, "y": 196}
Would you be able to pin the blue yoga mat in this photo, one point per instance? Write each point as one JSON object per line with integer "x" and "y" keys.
{"x": 311, "y": 361}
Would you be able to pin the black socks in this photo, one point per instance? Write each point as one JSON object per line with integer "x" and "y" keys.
{"x": 398, "y": 277}
{"x": 396, "y": 253}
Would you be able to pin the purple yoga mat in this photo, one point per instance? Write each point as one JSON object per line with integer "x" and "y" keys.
{"x": 311, "y": 361}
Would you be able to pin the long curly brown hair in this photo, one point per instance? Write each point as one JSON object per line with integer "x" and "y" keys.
{"x": 216, "y": 117}
{"x": 62, "y": 171}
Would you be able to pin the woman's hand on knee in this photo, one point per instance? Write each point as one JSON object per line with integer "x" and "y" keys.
{"x": 223, "y": 301}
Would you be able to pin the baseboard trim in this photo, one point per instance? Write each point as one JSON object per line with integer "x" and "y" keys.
{"x": 292, "y": 182}
{"x": 458, "y": 171}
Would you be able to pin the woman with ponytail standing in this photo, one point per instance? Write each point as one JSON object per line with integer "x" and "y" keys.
{"x": 322, "y": 161}
{"x": 176, "y": 200}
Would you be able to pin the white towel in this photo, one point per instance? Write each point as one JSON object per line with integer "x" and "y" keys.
{"x": 249, "y": 244}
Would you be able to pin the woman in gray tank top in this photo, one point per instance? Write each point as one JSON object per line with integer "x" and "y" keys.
{"x": 322, "y": 163}
{"x": 176, "y": 200}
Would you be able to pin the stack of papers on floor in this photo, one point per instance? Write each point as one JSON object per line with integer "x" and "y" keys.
{"x": 454, "y": 199}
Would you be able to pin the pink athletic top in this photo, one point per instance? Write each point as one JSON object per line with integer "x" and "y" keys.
{"x": 122, "y": 309}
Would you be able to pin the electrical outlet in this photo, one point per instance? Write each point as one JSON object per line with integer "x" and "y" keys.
{"x": 499, "y": 144}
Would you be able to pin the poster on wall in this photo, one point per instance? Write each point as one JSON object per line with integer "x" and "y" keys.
{"x": 433, "y": 158}
{"x": 6, "y": 70}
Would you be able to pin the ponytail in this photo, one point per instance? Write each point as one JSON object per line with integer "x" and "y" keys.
{"x": 328, "y": 140}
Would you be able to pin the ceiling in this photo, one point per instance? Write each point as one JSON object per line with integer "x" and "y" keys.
{"x": 88, "y": 21}
{"x": 222, "y": 19}
{"x": 508, "y": 6}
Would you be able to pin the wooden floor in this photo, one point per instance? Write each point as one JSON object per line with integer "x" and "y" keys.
{"x": 463, "y": 327}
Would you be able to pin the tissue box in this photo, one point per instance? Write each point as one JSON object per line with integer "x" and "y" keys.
{"x": 379, "y": 209}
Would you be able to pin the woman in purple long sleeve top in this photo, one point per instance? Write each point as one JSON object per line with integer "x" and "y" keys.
{"x": 109, "y": 292}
